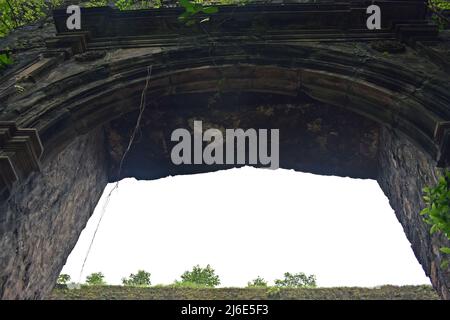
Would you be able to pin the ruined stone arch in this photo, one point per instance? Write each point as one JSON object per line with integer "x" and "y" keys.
{"x": 79, "y": 103}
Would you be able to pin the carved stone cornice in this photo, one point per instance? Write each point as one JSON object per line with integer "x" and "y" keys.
{"x": 346, "y": 18}
{"x": 20, "y": 151}
{"x": 70, "y": 42}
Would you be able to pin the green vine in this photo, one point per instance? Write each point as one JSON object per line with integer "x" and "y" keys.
{"x": 126, "y": 4}
{"x": 437, "y": 9}
{"x": 440, "y": 4}
{"x": 5, "y": 61}
{"x": 17, "y": 13}
{"x": 437, "y": 212}
{"x": 192, "y": 9}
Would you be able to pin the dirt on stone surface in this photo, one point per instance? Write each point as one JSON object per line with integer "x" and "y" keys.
{"x": 173, "y": 293}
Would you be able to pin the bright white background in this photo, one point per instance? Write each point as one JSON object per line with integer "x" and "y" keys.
{"x": 249, "y": 222}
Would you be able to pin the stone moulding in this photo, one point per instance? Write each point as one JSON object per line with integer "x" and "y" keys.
{"x": 76, "y": 41}
{"x": 20, "y": 151}
{"x": 345, "y": 15}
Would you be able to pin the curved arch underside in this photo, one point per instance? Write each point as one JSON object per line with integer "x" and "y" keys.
{"x": 394, "y": 95}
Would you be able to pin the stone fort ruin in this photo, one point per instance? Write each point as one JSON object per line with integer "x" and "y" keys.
{"x": 369, "y": 104}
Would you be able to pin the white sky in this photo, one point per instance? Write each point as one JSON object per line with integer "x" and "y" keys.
{"x": 248, "y": 222}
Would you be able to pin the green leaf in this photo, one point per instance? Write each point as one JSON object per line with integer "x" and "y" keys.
{"x": 210, "y": 10}
{"x": 445, "y": 250}
{"x": 198, "y": 7}
{"x": 191, "y": 10}
{"x": 5, "y": 60}
{"x": 434, "y": 229}
{"x": 186, "y": 3}
{"x": 444, "y": 264}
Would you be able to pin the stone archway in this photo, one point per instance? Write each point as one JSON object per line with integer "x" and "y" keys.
{"x": 342, "y": 108}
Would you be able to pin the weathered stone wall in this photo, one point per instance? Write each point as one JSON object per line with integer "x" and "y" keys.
{"x": 41, "y": 223}
{"x": 404, "y": 171}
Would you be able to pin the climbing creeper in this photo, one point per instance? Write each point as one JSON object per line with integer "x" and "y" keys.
{"x": 437, "y": 212}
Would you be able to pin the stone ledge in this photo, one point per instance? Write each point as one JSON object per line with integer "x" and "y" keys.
{"x": 20, "y": 151}
{"x": 76, "y": 41}
{"x": 345, "y": 15}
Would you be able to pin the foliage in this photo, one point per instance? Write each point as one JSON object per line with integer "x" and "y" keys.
{"x": 192, "y": 9}
{"x": 227, "y": 2}
{"x": 96, "y": 279}
{"x": 142, "y": 4}
{"x": 5, "y": 60}
{"x": 437, "y": 211}
{"x": 298, "y": 280}
{"x": 63, "y": 279}
{"x": 201, "y": 276}
{"x": 258, "y": 283}
{"x": 16, "y": 13}
{"x": 437, "y": 7}
{"x": 140, "y": 279}
{"x": 440, "y": 4}
{"x": 126, "y": 4}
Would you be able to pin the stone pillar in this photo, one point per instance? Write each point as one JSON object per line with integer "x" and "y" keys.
{"x": 43, "y": 218}
{"x": 404, "y": 171}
